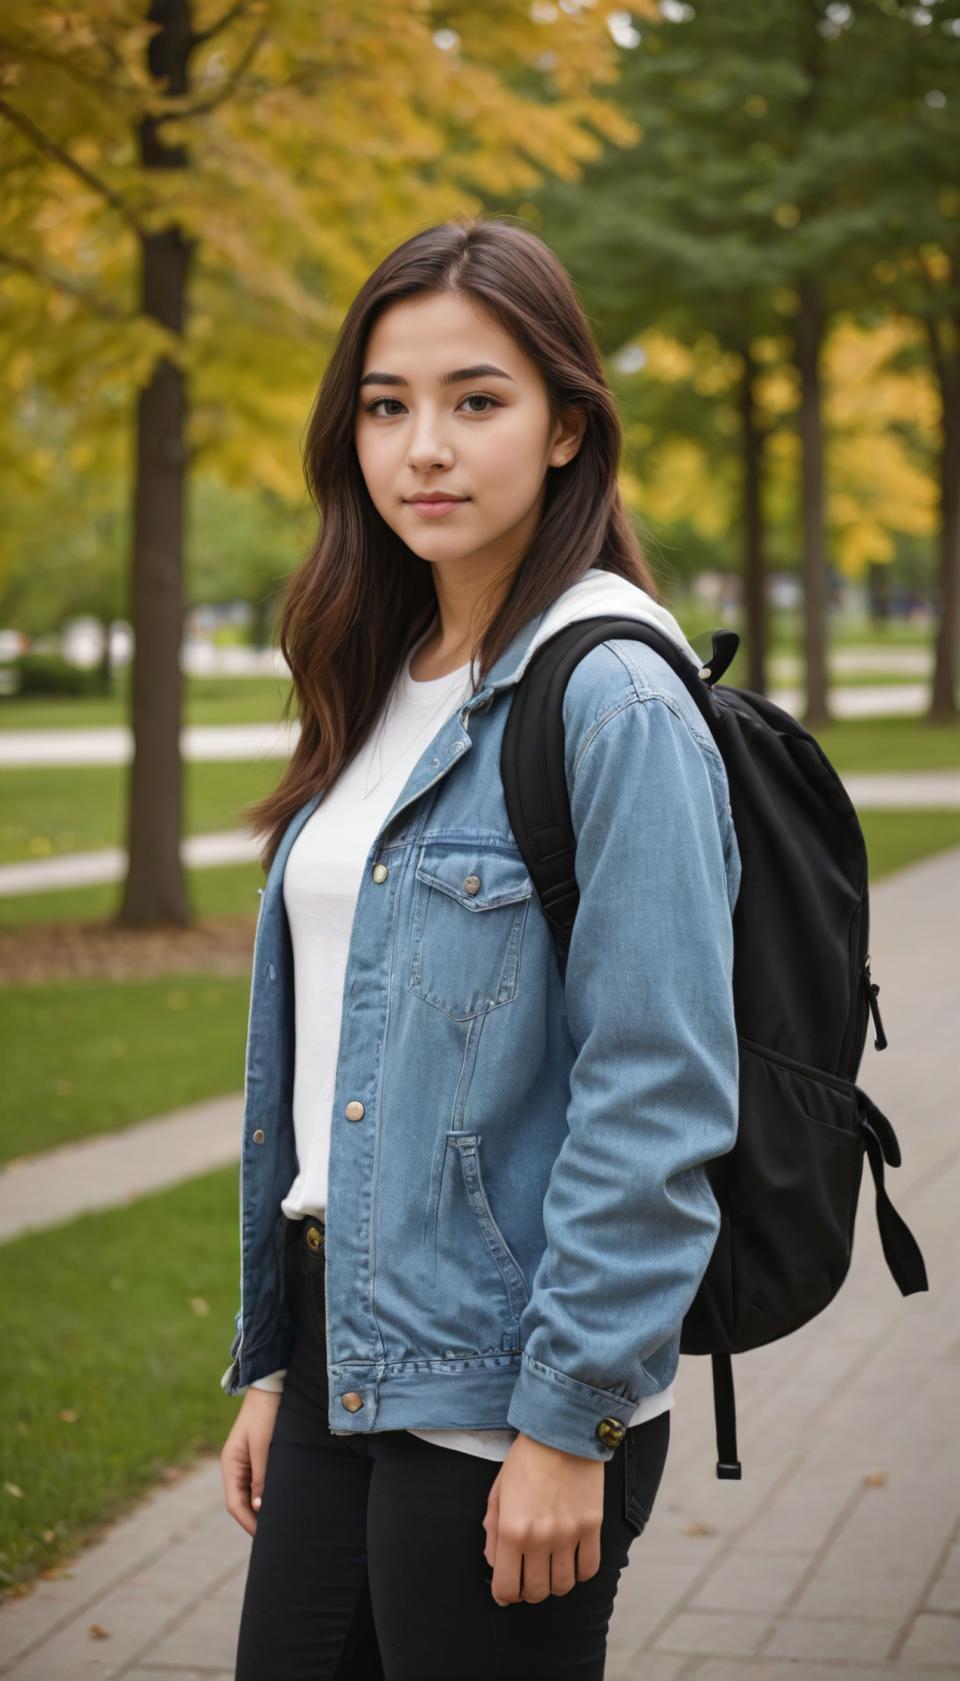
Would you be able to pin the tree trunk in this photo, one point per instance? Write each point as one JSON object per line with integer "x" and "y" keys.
{"x": 754, "y": 571}
{"x": 943, "y": 702}
{"x": 104, "y": 664}
{"x": 807, "y": 353}
{"x": 155, "y": 888}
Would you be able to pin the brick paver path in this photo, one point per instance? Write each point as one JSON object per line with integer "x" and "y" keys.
{"x": 837, "y": 1555}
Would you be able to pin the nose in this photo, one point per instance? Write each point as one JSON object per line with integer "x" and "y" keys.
{"x": 428, "y": 448}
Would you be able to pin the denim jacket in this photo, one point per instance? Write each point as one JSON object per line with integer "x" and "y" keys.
{"x": 518, "y": 1214}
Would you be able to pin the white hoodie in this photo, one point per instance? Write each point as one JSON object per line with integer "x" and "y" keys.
{"x": 606, "y": 592}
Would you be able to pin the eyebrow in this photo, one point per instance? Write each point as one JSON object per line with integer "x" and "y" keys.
{"x": 480, "y": 370}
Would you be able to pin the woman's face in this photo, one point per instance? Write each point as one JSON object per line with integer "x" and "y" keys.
{"x": 448, "y": 402}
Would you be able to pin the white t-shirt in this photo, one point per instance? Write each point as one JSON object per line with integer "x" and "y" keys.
{"x": 321, "y": 881}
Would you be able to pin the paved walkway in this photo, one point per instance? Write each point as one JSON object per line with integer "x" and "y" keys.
{"x": 109, "y": 863}
{"x": 116, "y": 1168}
{"x": 884, "y": 790}
{"x": 837, "y": 1555}
{"x": 112, "y": 744}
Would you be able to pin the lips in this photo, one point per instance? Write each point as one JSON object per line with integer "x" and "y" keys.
{"x": 435, "y": 507}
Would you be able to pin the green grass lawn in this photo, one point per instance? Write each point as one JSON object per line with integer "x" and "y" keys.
{"x": 890, "y": 744}
{"x": 787, "y": 633}
{"x": 863, "y": 680}
{"x": 898, "y": 838}
{"x": 206, "y": 700}
{"x": 114, "y": 1052}
{"x": 240, "y": 700}
{"x": 225, "y": 891}
{"x": 107, "y": 1312}
{"x": 116, "y": 1329}
{"x": 52, "y": 810}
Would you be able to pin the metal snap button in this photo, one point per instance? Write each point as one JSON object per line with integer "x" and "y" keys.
{"x": 355, "y": 1110}
{"x": 259, "y": 1136}
{"x": 352, "y": 1401}
{"x": 471, "y": 884}
{"x": 380, "y": 872}
{"x": 315, "y": 1237}
{"x": 611, "y": 1432}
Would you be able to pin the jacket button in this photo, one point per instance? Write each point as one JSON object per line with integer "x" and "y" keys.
{"x": 611, "y": 1432}
{"x": 380, "y": 872}
{"x": 355, "y": 1110}
{"x": 259, "y": 1136}
{"x": 352, "y": 1401}
{"x": 314, "y": 1237}
{"x": 471, "y": 884}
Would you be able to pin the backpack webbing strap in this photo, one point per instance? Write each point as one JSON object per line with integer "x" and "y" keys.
{"x": 725, "y": 1416}
{"x": 900, "y": 1248}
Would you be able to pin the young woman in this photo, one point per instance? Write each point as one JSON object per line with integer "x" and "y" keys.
{"x": 474, "y": 1207}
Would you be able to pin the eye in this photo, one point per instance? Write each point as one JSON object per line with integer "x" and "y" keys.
{"x": 481, "y": 397}
{"x": 370, "y": 407}
{"x": 471, "y": 397}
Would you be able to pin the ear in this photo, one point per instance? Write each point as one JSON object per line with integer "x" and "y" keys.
{"x": 567, "y": 437}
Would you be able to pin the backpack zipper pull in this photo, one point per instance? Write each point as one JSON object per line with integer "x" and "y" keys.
{"x": 880, "y": 1042}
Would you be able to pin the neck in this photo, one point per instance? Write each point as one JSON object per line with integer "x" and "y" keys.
{"x": 465, "y": 605}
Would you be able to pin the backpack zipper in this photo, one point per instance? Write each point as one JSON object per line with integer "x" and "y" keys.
{"x": 880, "y": 1042}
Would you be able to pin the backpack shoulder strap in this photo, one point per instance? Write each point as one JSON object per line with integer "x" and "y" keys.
{"x": 532, "y": 758}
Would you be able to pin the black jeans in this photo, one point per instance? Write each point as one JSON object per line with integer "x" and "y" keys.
{"x": 367, "y": 1563}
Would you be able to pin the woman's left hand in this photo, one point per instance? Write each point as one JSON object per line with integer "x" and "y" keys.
{"x": 544, "y": 1514}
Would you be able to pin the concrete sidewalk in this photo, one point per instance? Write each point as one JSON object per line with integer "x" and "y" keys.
{"x": 54, "y": 1185}
{"x": 838, "y": 1554}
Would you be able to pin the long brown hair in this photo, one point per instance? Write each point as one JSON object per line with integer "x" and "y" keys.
{"x": 353, "y": 608}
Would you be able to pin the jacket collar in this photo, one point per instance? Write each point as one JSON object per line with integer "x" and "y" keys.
{"x": 510, "y": 666}
{"x": 594, "y": 593}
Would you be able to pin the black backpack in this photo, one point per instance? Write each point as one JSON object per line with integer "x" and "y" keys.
{"x": 803, "y": 994}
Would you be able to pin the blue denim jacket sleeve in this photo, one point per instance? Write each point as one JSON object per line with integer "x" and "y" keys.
{"x": 630, "y": 1217}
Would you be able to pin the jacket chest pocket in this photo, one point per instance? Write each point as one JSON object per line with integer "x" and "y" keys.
{"x": 470, "y": 908}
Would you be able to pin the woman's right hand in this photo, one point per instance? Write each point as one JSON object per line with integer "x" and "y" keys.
{"x": 243, "y": 1457}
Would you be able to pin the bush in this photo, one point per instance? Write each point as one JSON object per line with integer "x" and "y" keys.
{"x": 51, "y": 674}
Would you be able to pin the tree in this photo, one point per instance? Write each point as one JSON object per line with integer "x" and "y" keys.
{"x": 194, "y": 194}
{"x": 750, "y": 217}
{"x": 902, "y": 190}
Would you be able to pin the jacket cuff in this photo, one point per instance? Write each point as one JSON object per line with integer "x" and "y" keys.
{"x": 563, "y": 1413}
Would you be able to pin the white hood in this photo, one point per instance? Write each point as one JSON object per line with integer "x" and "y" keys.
{"x": 606, "y": 592}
